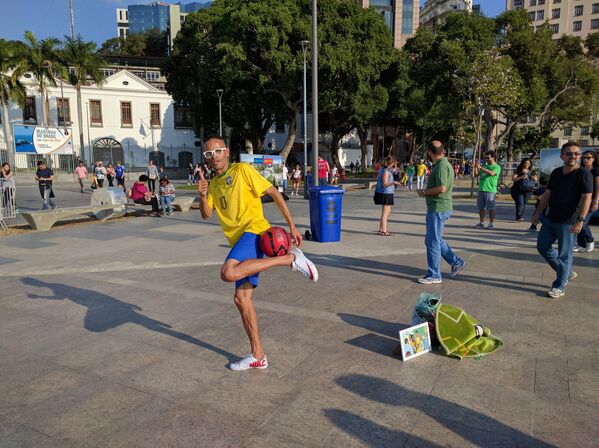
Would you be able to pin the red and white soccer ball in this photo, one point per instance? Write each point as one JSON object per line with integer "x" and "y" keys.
{"x": 275, "y": 242}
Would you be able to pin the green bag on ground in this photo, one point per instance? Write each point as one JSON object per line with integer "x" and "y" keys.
{"x": 461, "y": 335}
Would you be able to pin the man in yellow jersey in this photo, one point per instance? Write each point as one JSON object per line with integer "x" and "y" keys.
{"x": 235, "y": 194}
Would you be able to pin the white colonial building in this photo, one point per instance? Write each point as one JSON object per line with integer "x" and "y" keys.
{"x": 125, "y": 118}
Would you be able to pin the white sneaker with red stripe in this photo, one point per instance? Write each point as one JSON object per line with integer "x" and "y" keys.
{"x": 249, "y": 362}
{"x": 302, "y": 265}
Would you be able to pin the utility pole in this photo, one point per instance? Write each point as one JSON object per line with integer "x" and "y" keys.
{"x": 305, "y": 44}
{"x": 314, "y": 93}
{"x": 72, "y": 21}
{"x": 219, "y": 92}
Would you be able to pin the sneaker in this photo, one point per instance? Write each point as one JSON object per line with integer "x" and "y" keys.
{"x": 590, "y": 247}
{"x": 532, "y": 228}
{"x": 456, "y": 268}
{"x": 578, "y": 248}
{"x": 480, "y": 225}
{"x": 429, "y": 281}
{"x": 490, "y": 227}
{"x": 572, "y": 276}
{"x": 520, "y": 220}
{"x": 249, "y": 362}
{"x": 302, "y": 265}
{"x": 554, "y": 293}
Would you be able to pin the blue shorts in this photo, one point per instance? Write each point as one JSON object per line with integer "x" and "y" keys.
{"x": 485, "y": 200}
{"x": 246, "y": 248}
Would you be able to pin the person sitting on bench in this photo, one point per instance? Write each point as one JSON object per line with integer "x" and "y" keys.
{"x": 140, "y": 195}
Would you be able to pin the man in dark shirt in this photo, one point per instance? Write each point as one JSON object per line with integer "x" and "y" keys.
{"x": 44, "y": 176}
{"x": 568, "y": 196}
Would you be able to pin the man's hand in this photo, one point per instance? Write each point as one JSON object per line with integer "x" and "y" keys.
{"x": 295, "y": 236}
{"x": 421, "y": 193}
{"x": 594, "y": 206}
{"x": 202, "y": 185}
{"x": 576, "y": 228}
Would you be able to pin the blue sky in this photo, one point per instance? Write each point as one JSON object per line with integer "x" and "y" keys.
{"x": 94, "y": 19}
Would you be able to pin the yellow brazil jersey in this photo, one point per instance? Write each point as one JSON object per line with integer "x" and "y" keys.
{"x": 421, "y": 169}
{"x": 235, "y": 195}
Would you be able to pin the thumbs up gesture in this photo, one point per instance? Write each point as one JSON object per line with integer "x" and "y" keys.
{"x": 202, "y": 185}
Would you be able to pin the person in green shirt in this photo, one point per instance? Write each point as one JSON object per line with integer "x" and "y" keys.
{"x": 487, "y": 190}
{"x": 411, "y": 171}
{"x": 439, "y": 207}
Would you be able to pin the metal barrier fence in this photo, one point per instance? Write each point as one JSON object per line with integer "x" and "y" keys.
{"x": 27, "y": 163}
{"x": 8, "y": 207}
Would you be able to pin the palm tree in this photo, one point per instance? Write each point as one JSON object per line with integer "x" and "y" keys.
{"x": 38, "y": 57}
{"x": 11, "y": 89}
{"x": 84, "y": 63}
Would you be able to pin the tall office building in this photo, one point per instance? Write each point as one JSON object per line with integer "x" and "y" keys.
{"x": 572, "y": 17}
{"x": 434, "y": 11}
{"x": 167, "y": 17}
{"x": 401, "y": 17}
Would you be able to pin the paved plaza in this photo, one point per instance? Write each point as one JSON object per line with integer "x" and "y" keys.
{"x": 118, "y": 334}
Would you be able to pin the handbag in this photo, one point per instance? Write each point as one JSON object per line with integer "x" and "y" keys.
{"x": 527, "y": 185}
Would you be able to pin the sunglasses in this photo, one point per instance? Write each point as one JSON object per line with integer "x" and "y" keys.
{"x": 572, "y": 154}
{"x": 217, "y": 152}
{"x": 588, "y": 157}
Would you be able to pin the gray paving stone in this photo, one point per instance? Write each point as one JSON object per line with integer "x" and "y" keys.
{"x": 130, "y": 347}
{"x": 15, "y": 435}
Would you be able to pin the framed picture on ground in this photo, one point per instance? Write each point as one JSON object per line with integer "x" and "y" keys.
{"x": 415, "y": 341}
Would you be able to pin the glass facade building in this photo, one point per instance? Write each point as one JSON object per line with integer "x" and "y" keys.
{"x": 145, "y": 17}
{"x": 385, "y": 7}
{"x": 401, "y": 17}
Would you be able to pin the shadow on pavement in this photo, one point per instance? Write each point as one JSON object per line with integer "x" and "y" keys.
{"x": 373, "y": 434}
{"x": 383, "y": 327}
{"x": 469, "y": 424}
{"x": 105, "y": 313}
{"x": 372, "y": 266}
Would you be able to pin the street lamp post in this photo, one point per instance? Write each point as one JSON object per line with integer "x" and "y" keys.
{"x": 305, "y": 44}
{"x": 314, "y": 93}
{"x": 219, "y": 92}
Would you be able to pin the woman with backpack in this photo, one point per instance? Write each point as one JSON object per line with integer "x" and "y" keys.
{"x": 524, "y": 184}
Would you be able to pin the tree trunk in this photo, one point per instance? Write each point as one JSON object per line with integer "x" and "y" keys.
{"x": 362, "y": 134}
{"x": 490, "y": 129}
{"x": 292, "y": 132}
{"x": 476, "y": 153}
{"x": 10, "y": 148}
{"x": 510, "y": 145}
{"x": 249, "y": 146}
{"x": 80, "y": 124}
{"x": 333, "y": 149}
{"x": 46, "y": 107}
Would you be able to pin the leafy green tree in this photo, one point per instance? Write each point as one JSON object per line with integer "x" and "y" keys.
{"x": 38, "y": 57}
{"x": 151, "y": 42}
{"x": 559, "y": 82}
{"x": 12, "y": 67}
{"x": 251, "y": 53}
{"x": 252, "y": 50}
{"x": 85, "y": 63}
{"x": 591, "y": 43}
{"x": 357, "y": 49}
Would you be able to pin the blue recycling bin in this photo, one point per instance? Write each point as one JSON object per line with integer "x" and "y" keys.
{"x": 325, "y": 213}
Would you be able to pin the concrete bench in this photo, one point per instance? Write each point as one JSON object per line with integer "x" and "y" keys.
{"x": 43, "y": 220}
{"x": 183, "y": 203}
